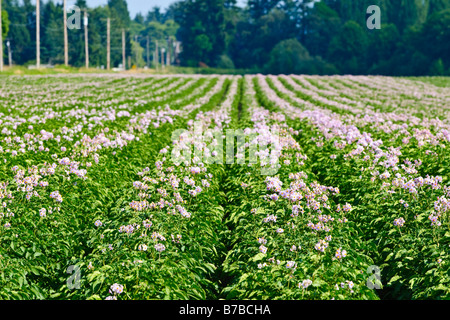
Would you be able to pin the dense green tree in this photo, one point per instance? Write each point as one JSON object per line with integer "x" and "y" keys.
{"x": 239, "y": 47}
{"x": 97, "y": 38}
{"x": 120, "y": 8}
{"x": 413, "y": 40}
{"x": 348, "y": 49}
{"x": 202, "y": 30}
{"x": 232, "y": 15}
{"x": 119, "y": 14}
{"x": 169, "y": 14}
{"x": 383, "y": 44}
{"x": 137, "y": 56}
{"x": 300, "y": 11}
{"x": 5, "y": 27}
{"x": 230, "y": 4}
{"x": 259, "y": 8}
{"x": 253, "y": 42}
{"x": 225, "y": 62}
{"x": 288, "y": 57}
{"x": 29, "y": 11}
{"x": 321, "y": 28}
{"x": 354, "y": 10}
{"x": 5, "y": 23}
{"x": 405, "y": 13}
{"x": 52, "y": 44}
{"x": 437, "y": 5}
{"x": 437, "y": 68}
{"x": 155, "y": 15}
{"x": 18, "y": 34}
{"x": 154, "y": 31}
{"x": 435, "y": 37}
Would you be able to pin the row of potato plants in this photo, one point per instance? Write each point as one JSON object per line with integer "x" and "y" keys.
{"x": 399, "y": 189}
{"x": 291, "y": 238}
{"x": 53, "y": 195}
{"x": 162, "y": 240}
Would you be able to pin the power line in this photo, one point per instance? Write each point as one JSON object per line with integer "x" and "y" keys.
{"x": 113, "y": 35}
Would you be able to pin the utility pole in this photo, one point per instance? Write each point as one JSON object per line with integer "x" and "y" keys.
{"x": 1, "y": 39}
{"x": 148, "y": 51}
{"x": 66, "y": 41}
{"x": 86, "y": 39}
{"x": 168, "y": 52}
{"x": 155, "y": 58}
{"x": 136, "y": 40}
{"x": 8, "y": 44}
{"x": 123, "y": 50}
{"x": 176, "y": 52}
{"x": 38, "y": 35}
{"x": 108, "y": 43}
{"x": 162, "y": 57}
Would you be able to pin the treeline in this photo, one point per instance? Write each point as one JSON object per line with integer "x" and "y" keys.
{"x": 318, "y": 37}
{"x": 268, "y": 36}
{"x": 19, "y": 27}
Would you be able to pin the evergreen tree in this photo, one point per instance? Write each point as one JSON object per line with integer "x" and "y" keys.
{"x": 202, "y": 30}
{"x": 348, "y": 49}
{"x": 118, "y": 12}
{"x": 120, "y": 8}
{"x": 413, "y": 39}
{"x": 18, "y": 34}
{"x": 259, "y": 8}
{"x": 155, "y": 15}
{"x": 5, "y": 23}
{"x": 289, "y": 57}
{"x": 438, "y": 5}
{"x": 322, "y": 23}
{"x": 434, "y": 39}
{"x": 52, "y": 44}
{"x": 404, "y": 13}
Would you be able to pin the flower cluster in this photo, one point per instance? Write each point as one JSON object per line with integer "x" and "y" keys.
{"x": 305, "y": 284}
{"x": 399, "y": 222}
{"x": 340, "y": 253}
{"x": 116, "y": 289}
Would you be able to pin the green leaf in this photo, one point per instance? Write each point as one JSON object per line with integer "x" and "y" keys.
{"x": 258, "y": 257}
{"x": 394, "y": 278}
{"x": 318, "y": 283}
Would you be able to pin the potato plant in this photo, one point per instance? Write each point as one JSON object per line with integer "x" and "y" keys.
{"x": 190, "y": 187}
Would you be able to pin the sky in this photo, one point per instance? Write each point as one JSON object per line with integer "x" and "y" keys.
{"x": 135, "y": 6}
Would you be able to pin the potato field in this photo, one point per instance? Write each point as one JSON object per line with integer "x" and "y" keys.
{"x": 208, "y": 187}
